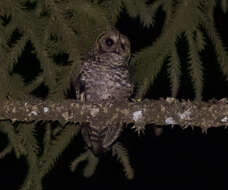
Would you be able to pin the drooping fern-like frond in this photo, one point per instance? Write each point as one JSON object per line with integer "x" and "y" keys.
{"x": 53, "y": 27}
{"x": 6, "y": 151}
{"x": 16, "y": 51}
{"x": 14, "y": 140}
{"x": 47, "y": 139}
{"x": 224, "y": 5}
{"x": 23, "y": 141}
{"x": 122, "y": 155}
{"x": 65, "y": 26}
{"x": 142, "y": 10}
{"x": 91, "y": 166}
{"x": 199, "y": 39}
{"x": 148, "y": 64}
{"x": 26, "y": 133}
{"x": 56, "y": 147}
{"x": 112, "y": 9}
{"x": 221, "y": 52}
{"x": 174, "y": 71}
{"x": 78, "y": 160}
{"x": 70, "y": 27}
{"x": 92, "y": 162}
{"x": 196, "y": 70}
{"x": 181, "y": 17}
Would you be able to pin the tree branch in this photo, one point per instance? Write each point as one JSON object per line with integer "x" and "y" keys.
{"x": 167, "y": 111}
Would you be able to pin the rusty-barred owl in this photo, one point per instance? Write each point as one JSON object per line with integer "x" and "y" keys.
{"x": 104, "y": 77}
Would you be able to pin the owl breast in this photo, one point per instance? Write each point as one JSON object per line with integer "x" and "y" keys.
{"x": 104, "y": 77}
{"x": 105, "y": 82}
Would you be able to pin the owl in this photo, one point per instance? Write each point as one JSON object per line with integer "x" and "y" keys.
{"x": 104, "y": 78}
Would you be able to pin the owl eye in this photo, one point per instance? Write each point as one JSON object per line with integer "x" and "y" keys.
{"x": 109, "y": 42}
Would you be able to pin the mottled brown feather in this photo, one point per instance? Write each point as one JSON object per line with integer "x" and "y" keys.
{"x": 104, "y": 77}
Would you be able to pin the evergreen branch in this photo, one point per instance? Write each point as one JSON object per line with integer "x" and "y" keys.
{"x": 46, "y": 63}
{"x": 16, "y": 51}
{"x": 27, "y": 137}
{"x": 40, "y": 8}
{"x": 150, "y": 60}
{"x": 91, "y": 166}
{"x": 37, "y": 40}
{"x": 87, "y": 17}
{"x": 199, "y": 40}
{"x": 57, "y": 131}
{"x": 210, "y": 8}
{"x": 196, "y": 70}
{"x": 71, "y": 22}
{"x": 47, "y": 139}
{"x": 152, "y": 10}
{"x": 6, "y": 151}
{"x": 7, "y": 7}
{"x": 158, "y": 112}
{"x": 14, "y": 140}
{"x": 169, "y": 6}
{"x": 174, "y": 71}
{"x": 62, "y": 84}
{"x": 122, "y": 154}
{"x": 224, "y": 6}
{"x": 148, "y": 64}
{"x": 6, "y": 33}
{"x": 112, "y": 9}
{"x": 140, "y": 8}
{"x": 16, "y": 86}
{"x": 4, "y": 76}
{"x": 59, "y": 25}
{"x": 30, "y": 141}
{"x": 78, "y": 160}
{"x": 34, "y": 27}
{"x": 57, "y": 146}
{"x": 133, "y": 7}
{"x": 221, "y": 51}
{"x": 69, "y": 43}
{"x": 34, "y": 83}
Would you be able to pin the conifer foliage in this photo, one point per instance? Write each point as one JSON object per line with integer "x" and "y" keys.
{"x": 60, "y": 32}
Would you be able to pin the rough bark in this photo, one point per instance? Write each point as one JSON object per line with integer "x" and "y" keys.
{"x": 167, "y": 111}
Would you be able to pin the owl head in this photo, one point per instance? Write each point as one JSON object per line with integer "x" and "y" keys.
{"x": 113, "y": 43}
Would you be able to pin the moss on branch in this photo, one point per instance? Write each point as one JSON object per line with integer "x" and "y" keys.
{"x": 167, "y": 111}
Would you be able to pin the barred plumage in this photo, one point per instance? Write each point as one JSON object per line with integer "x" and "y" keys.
{"x": 104, "y": 77}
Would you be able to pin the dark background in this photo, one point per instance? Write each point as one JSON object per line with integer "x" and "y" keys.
{"x": 178, "y": 159}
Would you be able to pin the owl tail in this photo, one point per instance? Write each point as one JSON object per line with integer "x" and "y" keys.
{"x": 111, "y": 135}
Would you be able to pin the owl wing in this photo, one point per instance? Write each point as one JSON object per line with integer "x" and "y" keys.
{"x": 85, "y": 134}
{"x": 111, "y": 135}
{"x": 79, "y": 88}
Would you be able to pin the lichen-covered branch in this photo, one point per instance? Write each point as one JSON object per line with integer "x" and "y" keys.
{"x": 167, "y": 111}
